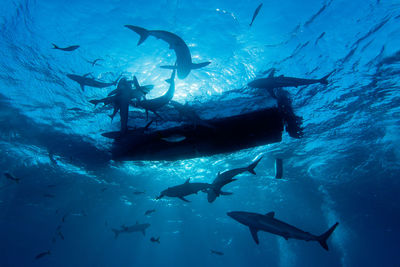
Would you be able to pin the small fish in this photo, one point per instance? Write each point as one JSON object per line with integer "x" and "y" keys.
{"x": 41, "y": 255}
{"x": 49, "y": 195}
{"x": 278, "y": 168}
{"x": 155, "y": 240}
{"x": 68, "y": 49}
{"x": 103, "y": 189}
{"x": 11, "y": 177}
{"x": 175, "y": 138}
{"x": 138, "y": 192}
{"x": 94, "y": 61}
{"x": 216, "y": 252}
{"x": 64, "y": 217}
{"x": 148, "y": 212}
{"x": 255, "y": 14}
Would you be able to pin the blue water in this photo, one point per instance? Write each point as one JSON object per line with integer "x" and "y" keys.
{"x": 345, "y": 168}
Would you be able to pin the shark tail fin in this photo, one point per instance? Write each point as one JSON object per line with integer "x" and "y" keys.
{"x": 141, "y": 31}
{"x": 324, "y": 237}
{"x": 252, "y": 166}
{"x": 200, "y": 65}
{"x": 55, "y": 46}
{"x": 324, "y": 80}
{"x": 116, "y": 233}
{"x": 158, "y": 240}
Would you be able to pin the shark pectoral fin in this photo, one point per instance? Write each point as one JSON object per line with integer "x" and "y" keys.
{"x": 225, "y": 193}
{"x": 184, "y": 199}
{"x": 200, "y": 65}
{"x": 272, "y": 73}
{"x": 253, "y": 232}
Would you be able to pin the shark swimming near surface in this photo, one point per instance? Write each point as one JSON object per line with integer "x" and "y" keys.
{"x": 185, "y": 189}
{"x": 67, "y": 49}
{"x": 225, "y": 178}
{"x": 84, "y": 80}
{"x": 154, "y": 104}
{"x": 138, "y": 227}
{"x": 184, "y": 62}
{"x": 281, "y": 81}
{"x": 267, "y": 223}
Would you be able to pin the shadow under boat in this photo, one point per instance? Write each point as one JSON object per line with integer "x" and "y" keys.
{"x": 221, "y": 135}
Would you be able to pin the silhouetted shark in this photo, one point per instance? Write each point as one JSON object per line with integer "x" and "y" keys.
{"x": 148, "y": 212}
{"x": 156, "y": 103}
{"x": 258, "y": 222}
{"x": 91, "y": 82}
{"x": 138, "y": 227}
{"x": 225, "y": 178}
{"x": 281, "y": 81}
{"x": 183, "y": 57}
{"x": 185, "y": 189}
{"x": 255, "y": 14}
{"x": 68, "y": 49}
{"x": 11, "y": 177}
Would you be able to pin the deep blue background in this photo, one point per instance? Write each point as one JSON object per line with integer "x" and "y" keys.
{"x": 346, "y": 168}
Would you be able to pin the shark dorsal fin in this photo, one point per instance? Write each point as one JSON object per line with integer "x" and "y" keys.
{"x": 187, "y": 181}
{"x": 271, "y": 74}
{"x": 270, "y": 214}
{"x": 87, "y": 74}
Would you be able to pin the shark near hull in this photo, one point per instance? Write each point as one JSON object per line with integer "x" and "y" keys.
{"x": 225, "y": 178}
{"x": 281, "y": 81}
{"x": 183, "y": 56}
{"x": 259, "y": 222}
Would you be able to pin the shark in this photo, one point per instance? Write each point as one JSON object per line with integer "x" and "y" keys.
{"x": 183, "y": 57}
{"x": 84, "y": 80}
{"x": 282, "y": 81}
{"x": 138, "y": 227}
{"x": 225, "y": 178}
{"x": 267, "y": 223}
{"x": 67, "y": 49}
{"x": 11, "y": 177}
{"x": 185, "y": 189}
{"x": 255, "y": 14}
{"x": 154, "y": 104}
